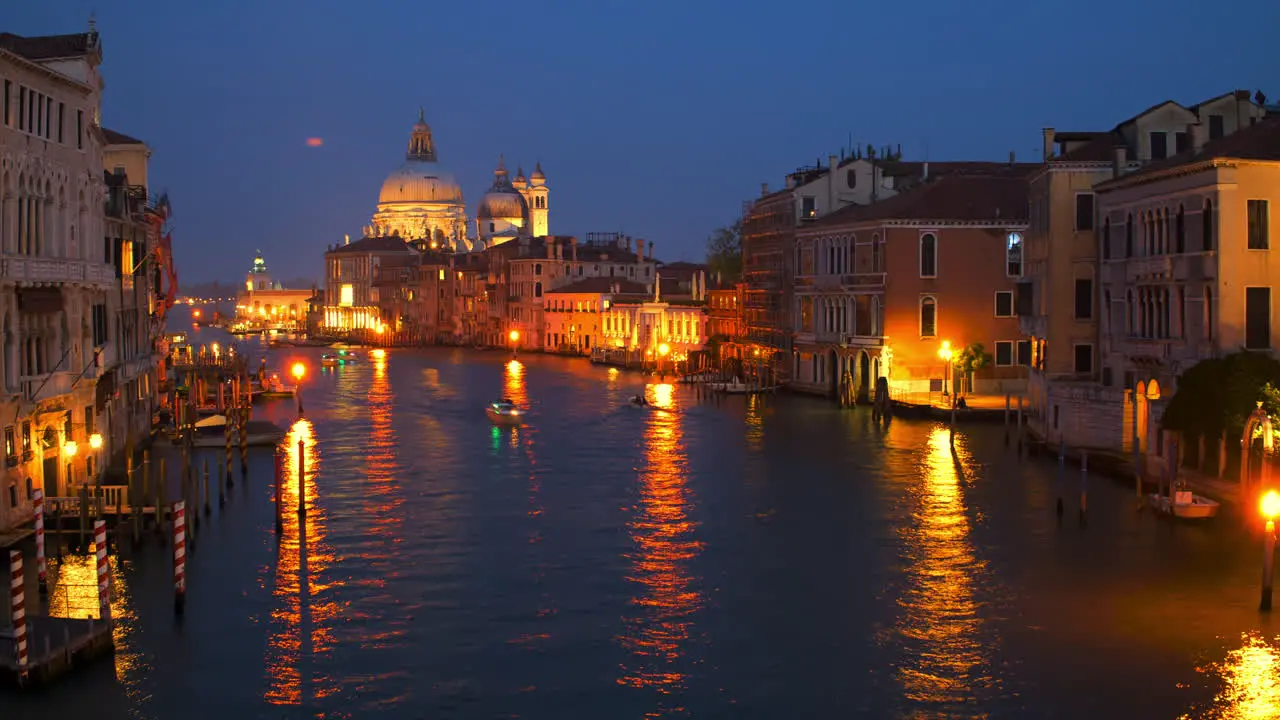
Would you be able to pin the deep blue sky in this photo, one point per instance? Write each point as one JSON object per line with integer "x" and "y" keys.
{"x": 656, "y": 119}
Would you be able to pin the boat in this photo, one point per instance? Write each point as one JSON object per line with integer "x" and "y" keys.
{"x": 638, "y": 401}
{"x": 273, "y": 388}
{"x": 1185, "y": 504}
{"x": 342, "y": 357}
{"x": 211, "y": 432}
{"x": 504, "y": 412}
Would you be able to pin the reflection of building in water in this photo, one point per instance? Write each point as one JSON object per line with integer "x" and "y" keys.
{"x": 942, "y": 660}
{"x": 301, "y": 621}
{"x": 662, "y": 534}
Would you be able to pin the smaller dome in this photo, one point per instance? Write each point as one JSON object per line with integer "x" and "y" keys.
{"x": 537, "y": 173}
{"x": 502, "y": 203}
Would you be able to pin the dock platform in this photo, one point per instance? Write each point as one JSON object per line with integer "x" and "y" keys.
{"x": 54, "y": 646}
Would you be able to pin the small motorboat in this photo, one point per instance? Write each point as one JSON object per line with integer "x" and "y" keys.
{"x": 638, "y": 401}
{"x": 504, "y": 412}
{"x": 211, "y": 432}
{"x": 342, "y": 357}
{"x": 1184, "y": 504}
{"x": 275, "y": 388}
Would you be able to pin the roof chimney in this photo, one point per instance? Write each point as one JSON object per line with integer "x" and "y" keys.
{"x": 1198, "y": 136}
{"x": 651, "y": 250}
{"x": 764, "y": 189}
{"x": 1118, "y": 161}
{"x": 1013, "y": 159}
{"x": 924, "y": 172}
{"x": 551, "y": 249}
{"x": 1048, "y": 143}
{"x": 573, "y": 249}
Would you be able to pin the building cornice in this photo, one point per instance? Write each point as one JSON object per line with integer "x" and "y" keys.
{"x": 935, "y": 224}
{"x": 50, "y": 73}
{"x": 1179, "y": 171}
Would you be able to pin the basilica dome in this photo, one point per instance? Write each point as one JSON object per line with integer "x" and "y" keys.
{"x": 420, "y": 181}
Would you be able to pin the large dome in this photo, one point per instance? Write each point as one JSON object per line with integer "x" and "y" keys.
{"x": 420, "y": 181}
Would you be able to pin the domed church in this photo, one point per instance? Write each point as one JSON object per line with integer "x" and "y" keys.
{"x": 422, "y": 201}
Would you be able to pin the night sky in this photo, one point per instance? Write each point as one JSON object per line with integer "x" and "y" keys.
{"x": 657, "y": 119}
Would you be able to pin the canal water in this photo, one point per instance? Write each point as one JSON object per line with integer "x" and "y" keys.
{"x": 742, "y": 557}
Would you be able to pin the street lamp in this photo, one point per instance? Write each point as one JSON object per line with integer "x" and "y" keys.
{"x": 663, "y": 349}
{"x": 299, "y": 371}
{"x": 1270, "y": 507}
{"x": 514, "y": 336}
{"x": 95, "y": 442}
{"x": 946, "y": 353}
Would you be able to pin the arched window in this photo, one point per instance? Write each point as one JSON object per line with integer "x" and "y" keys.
{"x": 928, "y": 317}
{"x": 1206, "y": 226}
{"x": 1128, "y": 236}
{"x": 1128, "y": 314}
{"x": 875, "y": 316}
{"x": 537, "y": 289}
{"x": 877, "y": 262}
{"x": 537, "y": 268}
{"x": 928, "y": 255}
{"x": 1106, "y": 238}
{"x": 1208, "y": 313}
{"x": 1180, "y": 231}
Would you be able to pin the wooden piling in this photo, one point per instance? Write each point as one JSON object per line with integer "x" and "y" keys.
{"x": 38, "y": 501}
{"x": 179, "y": 558}
{"x": 205, "y": 487}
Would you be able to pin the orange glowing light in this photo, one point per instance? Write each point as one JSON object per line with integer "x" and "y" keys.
{"x": 299, "y": 371}
{"x": 1270, "y": 505}
{"x": 314, "y": 142}
{"x": 378, "y": 353}
{"x": 514, "y": 335}
{"x": 195, "y": 313}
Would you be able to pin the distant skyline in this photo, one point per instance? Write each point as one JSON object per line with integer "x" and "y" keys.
{"x": 658, "y": 120}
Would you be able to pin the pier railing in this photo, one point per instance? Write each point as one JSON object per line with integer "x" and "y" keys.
{"x": 113, "y": 499}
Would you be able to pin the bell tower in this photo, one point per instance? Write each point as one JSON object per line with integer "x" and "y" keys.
{"x": 536, "y": 195}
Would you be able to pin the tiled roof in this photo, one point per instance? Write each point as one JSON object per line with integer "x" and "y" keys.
{"x": 119, "y": 138}
{"x": 948, "y": 198}
{"x": 680, "y": 270}
{"x": 603, "y": 285}
{"x": 374, "y": 244}
{"x": 48, "y": 47}
{"x": 1256, "y": 142}
{"x": 916, "y": 168}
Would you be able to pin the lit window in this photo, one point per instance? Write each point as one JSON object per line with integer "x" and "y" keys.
{"x": 346, "y": 296}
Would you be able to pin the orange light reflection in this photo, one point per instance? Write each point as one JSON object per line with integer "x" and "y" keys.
{"x": 939, "y": 623}
{"x": 662, "y": 534}
{"x": 73, "y": 593}
{"x": 513, "y": 385}
{"x": 755, "y": 423}
{"x": 1250, "y": 678}
{"x": 302, "y": 618}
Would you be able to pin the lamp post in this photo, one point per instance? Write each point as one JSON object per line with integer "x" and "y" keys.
{"x": 69, "y": 449}
{"x": 663, "y": 349}
{"x": 95, "y": 444}
{"x": 514, "y": 336}
{"x": 946, "y": 353}
{"x": 1270, "y": 507}
{"x": 299, "y": 371}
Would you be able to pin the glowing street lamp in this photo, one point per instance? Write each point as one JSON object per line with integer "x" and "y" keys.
{"x": 1270, "y": 508}
{"x": 70, "y": 448}
{"x": 514, "y": 336}
{"x": 946, "y": 353}
{"x": 95, "y": 441}
{"x": 299, "y": 371}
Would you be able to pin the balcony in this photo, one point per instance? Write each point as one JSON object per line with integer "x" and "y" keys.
{"x": 863, "y": 280}
{"x": 1195, "y": 267}
{"x": 1155, "y": 266}
{"x": 38, "y": 388}
{"x": 25, "y": 270}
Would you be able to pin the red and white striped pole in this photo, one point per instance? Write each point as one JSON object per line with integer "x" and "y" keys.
{"x": 179, "y": 557}
{"x": 38, "y": 501}
{"x": 104, "y": 581}
{"x": 18, "y": 610}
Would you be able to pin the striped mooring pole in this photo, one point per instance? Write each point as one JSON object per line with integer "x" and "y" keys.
{"x": 18, "y": 610}
{"x": 179, "y": 557}
{"x": 38, "y": 501}
{"x": 104, "y": 579}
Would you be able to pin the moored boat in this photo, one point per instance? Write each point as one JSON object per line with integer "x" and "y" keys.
{"x": 1184, "y": 504}
{"x": 504, "y": 412}
{"x": 211, "y": 432}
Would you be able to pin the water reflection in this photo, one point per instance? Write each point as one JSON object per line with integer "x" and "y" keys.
{"x": 1250, "y": 678}
{"x": 664, "y": 547}
{"x": 944, "y": 660}
{"x": 302, "y": 619}
{"x": 513, "y": 384}
{"x": 385, "y": 517}
{"x": 755, "y": 423}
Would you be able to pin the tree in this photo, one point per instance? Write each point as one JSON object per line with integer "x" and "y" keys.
{"x": 724, "y": 252}
{"x": 971, "y": 359}
{"x": 1217, "y": 395}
